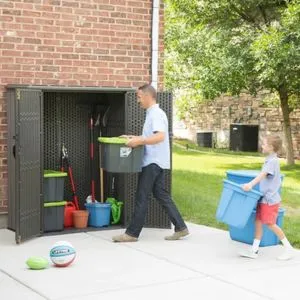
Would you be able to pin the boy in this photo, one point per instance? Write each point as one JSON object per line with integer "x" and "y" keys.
{"x": 267, "y": 208}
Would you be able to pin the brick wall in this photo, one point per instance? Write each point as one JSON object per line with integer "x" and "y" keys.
{"x": 216, "y": 116}
{"x": 73, "y": 43}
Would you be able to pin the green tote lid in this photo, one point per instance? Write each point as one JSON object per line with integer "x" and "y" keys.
{"x": 53, "y": 204}
{"x": 112, "y": 140}
{"x": 52, "y": 173}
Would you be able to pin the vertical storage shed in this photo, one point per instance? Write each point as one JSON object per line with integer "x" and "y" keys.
{"x": 43, "y": 118}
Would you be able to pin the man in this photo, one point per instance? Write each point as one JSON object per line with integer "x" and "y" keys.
{"x": 156, "y": 158}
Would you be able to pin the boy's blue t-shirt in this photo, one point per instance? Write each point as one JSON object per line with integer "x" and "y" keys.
{"x": 270, "y": 185}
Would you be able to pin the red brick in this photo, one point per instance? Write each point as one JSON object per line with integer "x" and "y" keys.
{"x": 6, "y": 4}
{"x": 6, "y": 19}
{"x": 83, "y": 50}
{"x": 11, "y": 67}
{"x": 31, "y": 68}
{"x": 44, "y": 61}
{"x": 50, "y": 82}
{"x": 7, "y": 46}
{"x": 64, "y": 49}
{"x": 88, "y": 5}
{"x": 31, "y": 27}
{"x": 100, "y": 77}
{"x": 10, "y": 53}
{"x": 68, "y": 82}
{"x": 79, "y": 63}
{"x": 12, "y": 12}
{"x": 30, "y": 13}
{"x": 47, "y": 8}
{"x": 50, "y": 68}
{"x": 62, "y": 62}
{"x": 11, "y": 39}
{"x": 135, "y": 3}
{"x": 123, "y": 58}
{"x": 70, "y": 4}
{"x": 118, "y": 2}
{"x": 61, "y": 9}
{"x": 106, "y": 7}
{"x": 24, "y": 20}
{"x": 23, "y": 5}
{"x": 51, "y": 42}
{"x": 81, "y": 76}
{"x": 32, "y": 41}
{"x": 51, "y": 55}
{"x": 45, "y": 35}
{"x": 32, "y": 54}
{"x": 25, "y": 33}
{"x": 50, "y": 15}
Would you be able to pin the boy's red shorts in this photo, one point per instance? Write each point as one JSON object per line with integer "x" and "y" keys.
{"x": 267, "y": 214}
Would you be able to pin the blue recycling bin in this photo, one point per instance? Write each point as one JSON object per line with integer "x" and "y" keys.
{"x": 236, "y": 205}
{"x": 246, "y": 234}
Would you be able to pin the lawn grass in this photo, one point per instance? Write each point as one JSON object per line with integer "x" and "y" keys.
{"x": 197, "y": 184}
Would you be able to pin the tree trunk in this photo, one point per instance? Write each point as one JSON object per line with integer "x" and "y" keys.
{"x": 286, "y": 125}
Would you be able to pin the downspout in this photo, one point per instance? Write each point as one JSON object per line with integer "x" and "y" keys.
{"x": 155, "y": 43}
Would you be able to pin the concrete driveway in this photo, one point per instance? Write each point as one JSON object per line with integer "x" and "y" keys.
{"x": 205, "y": 265}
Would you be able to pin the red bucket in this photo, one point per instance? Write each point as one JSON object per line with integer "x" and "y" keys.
{"x": 68, "y": 219}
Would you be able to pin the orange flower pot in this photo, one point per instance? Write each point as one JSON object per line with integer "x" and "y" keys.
{"x": 80, "y": 218}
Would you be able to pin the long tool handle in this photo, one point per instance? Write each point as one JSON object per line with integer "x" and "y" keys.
{"x": 101, "y": 185}
{"x": 91, "y": 123}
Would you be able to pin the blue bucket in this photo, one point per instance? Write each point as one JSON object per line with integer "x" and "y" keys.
{"x": 99, "y": 214}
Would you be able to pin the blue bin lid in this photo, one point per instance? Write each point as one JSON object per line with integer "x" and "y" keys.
{"x": 246, "y": 173}
{"x": 236, "y": 185}
{"x": 243, "y": 173}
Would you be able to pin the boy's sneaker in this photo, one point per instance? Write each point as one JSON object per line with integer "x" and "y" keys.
{"x": 287, "y": 254}
{"x": 249, "y": 253}
{"x": 177, "y": 235}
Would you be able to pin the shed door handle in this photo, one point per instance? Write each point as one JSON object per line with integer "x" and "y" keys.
{"x": 14, "y": 151}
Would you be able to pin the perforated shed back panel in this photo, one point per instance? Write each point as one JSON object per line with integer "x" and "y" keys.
{"x": 134, "y": 120}
{"x": 66, "y": 117}
{"x": 66, "y": 122}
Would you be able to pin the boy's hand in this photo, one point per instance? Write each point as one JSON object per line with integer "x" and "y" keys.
{"x": 247, "y": 187}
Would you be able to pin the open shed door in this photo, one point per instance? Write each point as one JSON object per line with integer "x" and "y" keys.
{"x": 29, "y": 166}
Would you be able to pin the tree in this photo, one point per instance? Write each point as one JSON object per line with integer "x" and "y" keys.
{"x": 229, "y": 46}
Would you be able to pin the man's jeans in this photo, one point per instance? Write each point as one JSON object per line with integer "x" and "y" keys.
{"x": 151, "y": 179}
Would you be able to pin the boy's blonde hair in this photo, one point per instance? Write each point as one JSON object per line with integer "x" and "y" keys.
{"x": 275, "y": 141}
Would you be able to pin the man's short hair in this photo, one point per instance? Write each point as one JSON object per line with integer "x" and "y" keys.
{"x": 148, "y": 89}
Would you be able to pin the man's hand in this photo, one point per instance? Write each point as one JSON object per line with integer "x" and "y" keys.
{"x": 135, "y": 141}
{"x": 128, "y": 136}
{"x": 247, "y": 187}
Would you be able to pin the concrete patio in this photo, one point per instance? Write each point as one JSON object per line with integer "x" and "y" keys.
{"x": 203, "y": 266}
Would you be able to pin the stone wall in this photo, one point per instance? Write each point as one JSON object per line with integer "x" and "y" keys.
{"x": 217, "y": 115}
